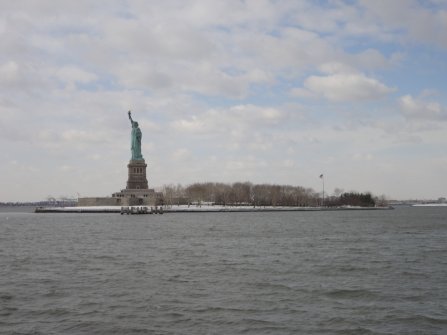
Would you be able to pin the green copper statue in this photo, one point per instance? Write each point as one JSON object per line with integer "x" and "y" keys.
{"x": 135, "y": 140}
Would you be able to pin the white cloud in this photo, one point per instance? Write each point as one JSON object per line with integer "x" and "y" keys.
{"x": 301, "y": 93}
{"x": 21, "y": 77}
{"x": 181, "y": 154}
{"x": 254, "y": 114}
{"x": 363, "y": 157}
{"x": 288, "y": 163}
{"x": 72, "y": 75}
{"x": 409, "y": 19}
{"x": 235, "y": 120}
{"x": 74, "y": 135}
{"x": 337, "y": 67}
{"x": 420, "y": 109}
{"x": 9, "y": 72}
{"x": 347, "y": 87}
{"x": 192, "y": 125}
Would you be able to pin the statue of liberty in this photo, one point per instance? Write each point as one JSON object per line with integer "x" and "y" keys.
{"x": 135, "y": 140}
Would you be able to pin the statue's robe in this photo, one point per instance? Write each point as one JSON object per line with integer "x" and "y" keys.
{"x": 136, "y": 143}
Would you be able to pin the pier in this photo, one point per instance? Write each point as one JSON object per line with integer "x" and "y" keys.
{"x": 130, "y": 210}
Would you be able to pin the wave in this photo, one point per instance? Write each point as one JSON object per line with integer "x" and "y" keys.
{"x": 351, "y": 294}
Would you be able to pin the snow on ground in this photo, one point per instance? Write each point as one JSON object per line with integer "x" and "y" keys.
{"x": 181, "y": 208}
{"x": 431, "y": 205}
{"x": 200, "y": 208}
{"x": 220, "y": 208}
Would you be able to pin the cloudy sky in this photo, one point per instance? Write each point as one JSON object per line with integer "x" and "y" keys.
{"x": 255, "y": 90}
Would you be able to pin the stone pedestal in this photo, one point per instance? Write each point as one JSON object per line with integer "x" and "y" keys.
{"x": 136, "y": 193}
{"x": 137, "y": 175}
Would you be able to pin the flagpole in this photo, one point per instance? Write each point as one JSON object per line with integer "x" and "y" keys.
{"x": 323, "y": 191}
{"x": 322, "y": 179}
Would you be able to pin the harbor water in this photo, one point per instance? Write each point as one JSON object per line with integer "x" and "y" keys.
{"x": 347, "y": 272}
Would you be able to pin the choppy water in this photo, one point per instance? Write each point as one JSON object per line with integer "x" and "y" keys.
{"x": 362, "y": 272}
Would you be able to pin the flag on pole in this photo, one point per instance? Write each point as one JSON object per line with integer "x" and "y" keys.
{"x": 321, "y": 176}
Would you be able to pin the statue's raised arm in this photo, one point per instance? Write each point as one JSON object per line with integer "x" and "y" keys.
{"x": 130, "y": 117}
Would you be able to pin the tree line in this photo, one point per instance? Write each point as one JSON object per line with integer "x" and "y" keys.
{"x": 249, "y": 194}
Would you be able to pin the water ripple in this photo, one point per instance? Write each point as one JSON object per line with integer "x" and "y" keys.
{"x": 228, "y": 273}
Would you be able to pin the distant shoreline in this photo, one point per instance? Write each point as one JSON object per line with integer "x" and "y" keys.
{"x": 203, "y": 209}
{"x": 430, "y": 205}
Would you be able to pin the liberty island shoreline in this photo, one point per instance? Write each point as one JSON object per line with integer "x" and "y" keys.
{"x": 197, "y": 209}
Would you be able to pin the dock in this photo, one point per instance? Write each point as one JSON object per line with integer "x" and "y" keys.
{"x": 132, "y": 210}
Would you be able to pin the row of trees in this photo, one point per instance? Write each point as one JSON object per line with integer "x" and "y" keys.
{"x": 353, "y": 199}
{"x": 246, "y": 193}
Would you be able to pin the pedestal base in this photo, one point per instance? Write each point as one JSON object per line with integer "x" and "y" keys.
{"x": 137, "y": 175}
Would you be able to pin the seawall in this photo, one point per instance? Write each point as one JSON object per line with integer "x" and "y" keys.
{"x": 201, "y": 209}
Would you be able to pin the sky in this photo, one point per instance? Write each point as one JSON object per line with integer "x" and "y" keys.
{"x": 264, "y": 91}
